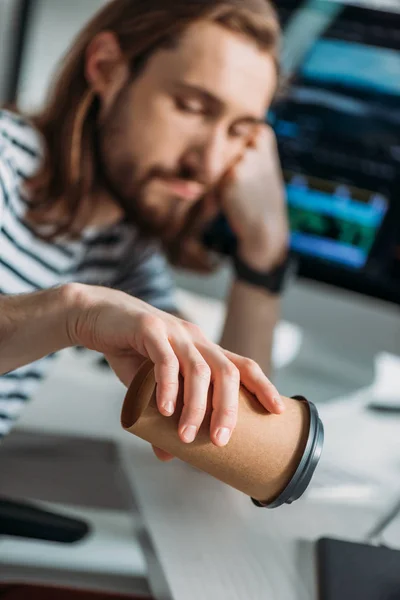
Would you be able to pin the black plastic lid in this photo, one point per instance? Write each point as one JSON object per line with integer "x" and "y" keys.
{"x": 310, "y": 459}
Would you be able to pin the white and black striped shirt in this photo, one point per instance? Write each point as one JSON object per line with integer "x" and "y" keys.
{"x": 114, "y": 257}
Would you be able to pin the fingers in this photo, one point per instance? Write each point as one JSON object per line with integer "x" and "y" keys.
{"x": 197, "y": 378}
{"x": 253, "y": 378}
{"x": 166, "y": 364}
{"x": 200, "y": 367}
{"x": 225, "y": 395}
{"x": 174, "y": 347}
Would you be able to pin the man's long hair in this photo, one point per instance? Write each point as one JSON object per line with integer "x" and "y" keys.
{"x": 68, "y": 122}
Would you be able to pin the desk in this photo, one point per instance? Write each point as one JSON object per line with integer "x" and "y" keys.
{"x": 203, "y": 540}
{"x": 209, "y": 542}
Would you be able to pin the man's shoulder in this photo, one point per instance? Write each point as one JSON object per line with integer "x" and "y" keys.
{"x": 20, "y": 143}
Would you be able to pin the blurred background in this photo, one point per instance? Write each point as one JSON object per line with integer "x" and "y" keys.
{"x": 338, "y": 131}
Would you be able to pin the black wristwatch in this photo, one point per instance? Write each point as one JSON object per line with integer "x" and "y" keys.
{"x": 273, "y": 280}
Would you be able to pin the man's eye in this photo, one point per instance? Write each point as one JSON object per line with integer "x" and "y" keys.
{"x": 190, "y": 105}
{"x": 243, "y": 130}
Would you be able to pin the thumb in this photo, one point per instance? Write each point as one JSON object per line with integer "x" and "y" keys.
{"x": 162, "y": 455}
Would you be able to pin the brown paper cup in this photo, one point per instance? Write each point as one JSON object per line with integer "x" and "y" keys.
{"x": 259, "y": 460}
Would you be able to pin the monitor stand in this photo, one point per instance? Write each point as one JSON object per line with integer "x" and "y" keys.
{"x": 341, "y": 335}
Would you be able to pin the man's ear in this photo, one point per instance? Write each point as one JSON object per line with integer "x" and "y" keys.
{"x": 106, "y": 68}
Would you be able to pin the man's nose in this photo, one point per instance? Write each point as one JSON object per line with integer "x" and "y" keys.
{"x": 208, "y": 157}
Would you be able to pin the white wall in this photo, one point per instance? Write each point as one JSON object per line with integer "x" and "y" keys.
{"x": 54, "y": 25}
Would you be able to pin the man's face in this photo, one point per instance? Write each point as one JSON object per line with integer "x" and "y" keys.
{"x": 171, "y": 134}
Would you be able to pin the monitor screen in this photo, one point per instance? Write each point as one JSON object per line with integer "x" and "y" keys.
{"x": 338, "y": 132}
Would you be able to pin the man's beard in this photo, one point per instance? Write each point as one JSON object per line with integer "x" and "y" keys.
{"x": 129, "y": 191}
{"x": 175, "y": 232}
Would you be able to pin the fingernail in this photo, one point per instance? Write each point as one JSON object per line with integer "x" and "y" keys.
{"x": 223, "y": 435}
{"x": 279, "y": 402}
{"x": 189, "y": 433}
{"x": 169, "y": 408}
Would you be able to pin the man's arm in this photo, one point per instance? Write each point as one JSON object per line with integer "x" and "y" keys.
{"x": 249, "y": 327}
{"x": 256, "y": 209}
{"x": 32, "y": 326}
{"x": 127, "y": 331}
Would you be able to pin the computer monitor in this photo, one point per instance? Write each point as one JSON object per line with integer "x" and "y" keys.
{"x": 338, "y": 131}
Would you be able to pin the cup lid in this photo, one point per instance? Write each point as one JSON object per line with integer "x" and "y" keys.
{"x": 309, "y": 461}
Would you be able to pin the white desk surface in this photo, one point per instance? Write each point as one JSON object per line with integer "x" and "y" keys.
{"x": 212, "y": 543}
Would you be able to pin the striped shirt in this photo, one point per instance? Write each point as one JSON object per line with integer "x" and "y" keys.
{"x": 114, "y": 257}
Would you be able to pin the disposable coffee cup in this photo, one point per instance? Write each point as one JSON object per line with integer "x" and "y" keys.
{"x": 271, "y": 458}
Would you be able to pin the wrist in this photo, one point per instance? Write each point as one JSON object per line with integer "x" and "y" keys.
{"x": 77, "y": 299}
{"x": 271, "y": 280}
{"x": 263, "y": 251}
{"x": 54, "y": 308}
{"x": 260, "y": 261}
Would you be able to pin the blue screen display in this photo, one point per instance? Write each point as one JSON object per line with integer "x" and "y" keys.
{"x": 338, "y": 131}
{"x": 332, "y": 224}
{"x": 354, "y": 65}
